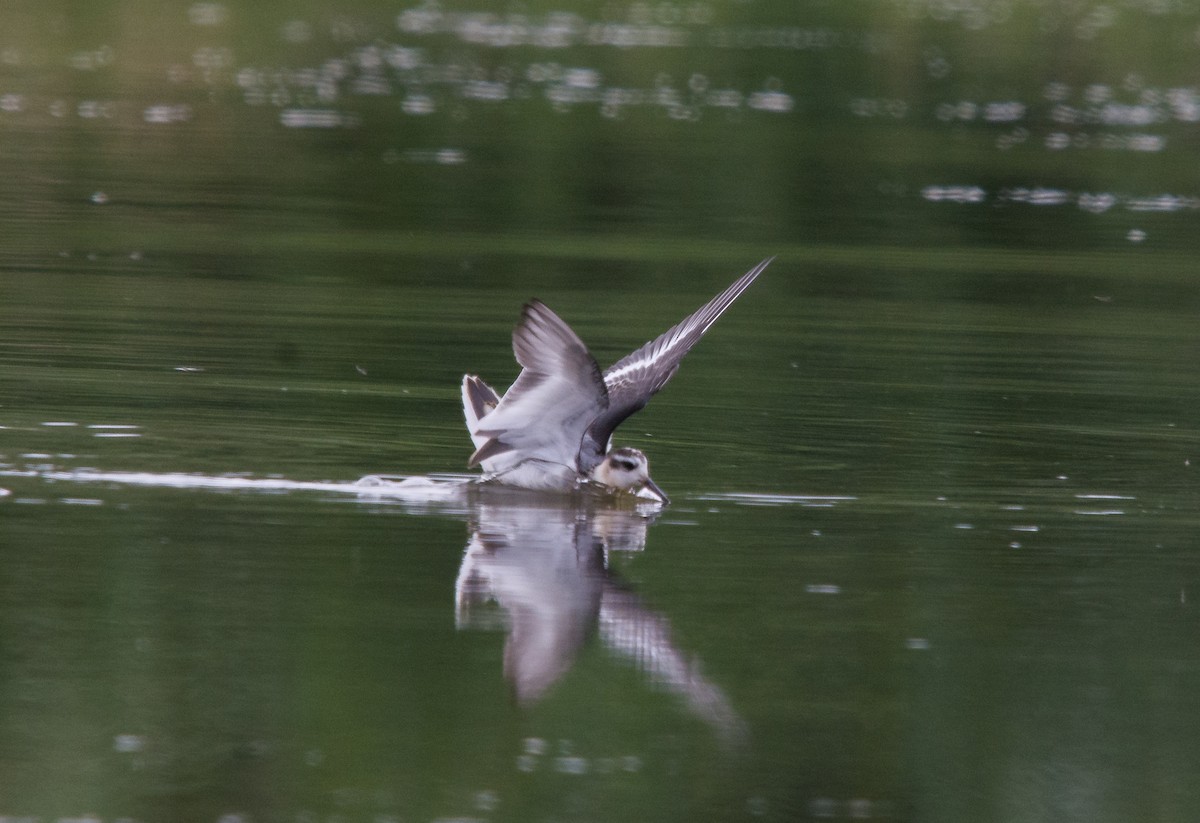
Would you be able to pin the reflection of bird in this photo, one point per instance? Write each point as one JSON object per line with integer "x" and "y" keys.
{"x": 553, "y": 428}
{"x": 545, "y": 569}
{"x": 631, "y": 630}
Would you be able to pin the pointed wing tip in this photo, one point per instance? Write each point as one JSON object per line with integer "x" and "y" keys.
{"x": 750, "y": 276}
{"x": 635, "y": 378}
{"x": 716, "y": 307}
{"x": 533, "y": 312}
{"x": 545, "y": 344}
{"x": 534, "y": 306}
{"x": 709, "y": 312}
{"x": 478, "y": 397}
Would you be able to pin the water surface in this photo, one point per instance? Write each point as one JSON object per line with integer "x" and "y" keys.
{"x": 930, "y": 554}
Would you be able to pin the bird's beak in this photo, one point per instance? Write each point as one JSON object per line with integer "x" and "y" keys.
{"x": 662, "y": 495}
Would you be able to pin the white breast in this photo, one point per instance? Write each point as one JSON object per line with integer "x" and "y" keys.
{"x": 516, "y": 469}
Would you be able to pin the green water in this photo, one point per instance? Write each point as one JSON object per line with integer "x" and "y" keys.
{"x": 931, "y": 550}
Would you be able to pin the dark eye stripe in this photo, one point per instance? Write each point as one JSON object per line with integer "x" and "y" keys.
{"x": 627, "y": 465}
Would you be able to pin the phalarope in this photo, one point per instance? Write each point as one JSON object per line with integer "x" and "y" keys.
{"x": 553, "y": 428}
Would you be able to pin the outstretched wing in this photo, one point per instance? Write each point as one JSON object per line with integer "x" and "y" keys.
{"x": 545, "y": 412}
{"x": 479, "y": 400}
{"x": 633, "y": 379}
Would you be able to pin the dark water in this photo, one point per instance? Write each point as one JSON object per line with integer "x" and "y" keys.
{"x": 931, "y": 553}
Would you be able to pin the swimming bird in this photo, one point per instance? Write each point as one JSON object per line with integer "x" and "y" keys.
{"x": 553, "y": 428}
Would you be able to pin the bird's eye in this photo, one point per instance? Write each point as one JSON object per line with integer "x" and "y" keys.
{"x": 627, "y": 465}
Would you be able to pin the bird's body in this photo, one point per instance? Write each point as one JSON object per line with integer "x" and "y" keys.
{"x": 552, "y": 429}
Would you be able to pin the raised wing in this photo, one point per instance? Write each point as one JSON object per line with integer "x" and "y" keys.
{"x": 479, "y": 400}
{"x": 545, "y": 412}
{"x": 633, "y": 379}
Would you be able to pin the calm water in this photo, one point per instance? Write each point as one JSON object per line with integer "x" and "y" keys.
{"x": 931, "y": 553}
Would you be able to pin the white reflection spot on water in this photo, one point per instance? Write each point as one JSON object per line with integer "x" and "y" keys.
{"x": 954, "y": 194}
{"x": 418, "y": 104}
{"x": 1096, "y": 203}
{"x": 571, "y": 765}
{"x": 772, "y": 101}
{"x": 128, "y": 743}
{"x": 1097, "y": 93}
{"x": 823, "y": 588}
{"x": 917, "y": 643}
{"x": 316, "y": 119}
{"x": 166, "y": 113}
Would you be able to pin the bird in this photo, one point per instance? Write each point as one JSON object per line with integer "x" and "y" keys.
{"x": 552, "y": 430}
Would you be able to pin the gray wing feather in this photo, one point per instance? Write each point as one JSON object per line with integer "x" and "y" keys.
{"x": 635, "y": 378}
{"x": 545, "y": 412}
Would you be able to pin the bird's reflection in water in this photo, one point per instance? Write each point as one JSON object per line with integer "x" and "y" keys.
{"x": 542, "y": 574}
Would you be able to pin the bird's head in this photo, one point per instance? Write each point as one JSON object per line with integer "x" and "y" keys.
{"x": 627, "y": 469}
